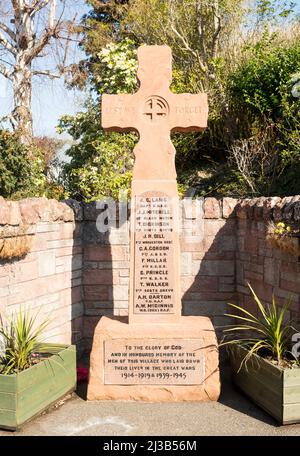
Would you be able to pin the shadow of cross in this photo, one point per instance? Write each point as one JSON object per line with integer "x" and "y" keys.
{"x": 154, "y": 112}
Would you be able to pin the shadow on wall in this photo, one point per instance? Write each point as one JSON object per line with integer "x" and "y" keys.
{"x": 213, "y": 273}
{"x": 236, "y": 251}
{"x": 105, "y": 264}
{"x": 208, "y": 264}
{"x": 76, "y": 288}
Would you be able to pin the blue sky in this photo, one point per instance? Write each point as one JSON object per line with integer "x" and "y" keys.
{"x": 51, "y": 99}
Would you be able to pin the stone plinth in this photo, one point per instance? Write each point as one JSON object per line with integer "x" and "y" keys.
{"x": 154, "y": 363}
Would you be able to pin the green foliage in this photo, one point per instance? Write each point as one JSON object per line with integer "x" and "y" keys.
{"x": 273, "y": 10}
{"x": 263, "y": 96}
{"x": 262, "y": 82}
{"x": 219, "y": 181}
{"x": 250, "y": 90}
{"x": 101, "y": 163}
{"x": 15, "y": 167}
{"x": 268, "y": 333}
{"x": 22, "y": 170}
{"x": 20, "y": 341}
{"x": 117, "y": 67}
{"x": 119, "y": 27}
{"x": 103, "y": 24}
{"x": 289, "y": 125}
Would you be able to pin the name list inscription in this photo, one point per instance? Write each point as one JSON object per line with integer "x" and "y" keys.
{"x": 153, "y": 361}
{"x": 154, "y": 287}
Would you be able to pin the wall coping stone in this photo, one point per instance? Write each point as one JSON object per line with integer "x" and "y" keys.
{"x": 269, "y": 208}
{"x": 30, "y": 211}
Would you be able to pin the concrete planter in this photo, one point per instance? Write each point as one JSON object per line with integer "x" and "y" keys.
{"x": 27, "y": 393}
{"x": 274, "y": 389}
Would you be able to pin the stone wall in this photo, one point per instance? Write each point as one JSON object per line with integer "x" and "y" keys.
{"x": 74, "y": 274}
{"x": 269, "y": 270}
{"x": 105, "y": 270}
{"x": 49, "y": 278}
{"x": 207, "y": 264}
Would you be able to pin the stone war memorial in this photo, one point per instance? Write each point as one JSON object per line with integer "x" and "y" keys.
{"x": 155, "y": 354}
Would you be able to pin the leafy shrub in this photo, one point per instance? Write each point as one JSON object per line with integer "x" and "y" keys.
{"x": 256, "y": 96}
{"x": 263, "y": 97}
{"x": 101, "y": 163}
{"x": 262, "y": 81}
{"x": 117, "y": 67}
{"x": 218, "y": 181}
{"x": 23, "y": 170}
{"x": 15, "y": 166}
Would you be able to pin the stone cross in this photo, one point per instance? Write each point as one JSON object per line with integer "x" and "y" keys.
{"x": 154, "y": 112}
{"x": 160, "y": 355}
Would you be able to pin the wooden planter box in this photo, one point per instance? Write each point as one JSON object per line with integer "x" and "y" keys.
{"x": 274, "y": 389}
{"x": 28, "y": 393}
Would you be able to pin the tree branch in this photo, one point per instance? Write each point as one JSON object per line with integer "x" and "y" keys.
{"x": 183, "y": 40}
{"x": 38, "y": 5}
{"x": 68, "y": 43}
{"x": 7, "y": 45}
{"x": 6, "y": 62}
{"x": 67, "y": 38}
{"x": 8, "y": 31}
{"x": 47, "y": 73}
{"x": 5, "y": 72}
{"x": 52, "y": 14}
{"x": 189, "y": 49}
{"x": 8, "y": 117}
{"x": 16, "y": 7}
{"x": 200, "y": 27}
{"x": 39, "y": 46}
{"x": 51, "y": 31}
{"x": 218, "y": 27}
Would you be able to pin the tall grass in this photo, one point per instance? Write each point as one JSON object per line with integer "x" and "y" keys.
{"x": 268, "y": 333}
{"x": 20, "y": 336}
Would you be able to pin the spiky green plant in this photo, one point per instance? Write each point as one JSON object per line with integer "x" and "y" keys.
{"x": 268, "y": 333}
{"x": 20, "y": 341}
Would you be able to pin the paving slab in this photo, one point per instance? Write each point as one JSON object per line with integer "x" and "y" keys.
{"x": 233, "y": 414}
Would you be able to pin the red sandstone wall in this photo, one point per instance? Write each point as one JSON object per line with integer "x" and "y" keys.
{"x": 74, "y": 273}
{"x": 268, "y": 269}
{"x": 49, "y": 278}
{"x": 207, "y": 265}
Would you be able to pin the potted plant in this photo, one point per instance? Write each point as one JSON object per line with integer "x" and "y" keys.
{"x": 33, "y": 375}
{"x": 264, "y": 363}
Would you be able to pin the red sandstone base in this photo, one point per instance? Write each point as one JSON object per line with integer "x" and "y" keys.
{"x": 116, "y": 375}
